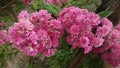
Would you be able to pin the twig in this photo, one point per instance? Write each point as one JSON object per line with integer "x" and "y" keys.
{"x": 43, "y": 63}
{"x": 7, "y": 5}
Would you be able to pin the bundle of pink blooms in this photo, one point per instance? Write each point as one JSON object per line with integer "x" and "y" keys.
{"x": 39, "y": 32}
{"x": 36, "y": 33}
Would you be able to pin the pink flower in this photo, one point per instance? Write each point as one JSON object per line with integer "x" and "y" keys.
{"x": 30, "y": 49}
{"x": 2, "y": 24}
{"x": 23, "y": 15}
{"x": 87, "y": 49}
{"x": 34, "y": 17}
{"x": 26, "y": 2}
{"x": 69, "y": 39}
{"x": 107, "y": 23}
{"x": 54, "y": 28}
{"x": 55, "y": 42}
{"x": 84, "y": 42}
{"x": 105, "y": 27}
{"x": 49, "y": 52}
{"x": 3, "y": 37}
{"x": 93, "y": 19}
{"x": 103, "y": 31}
{"x": 75, "y": 30}
{"x": 43, "y": 16}
{"x": 98, "y": 42}
{"x": 68, "y": 15}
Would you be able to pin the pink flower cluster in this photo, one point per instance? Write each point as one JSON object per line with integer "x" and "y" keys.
{"x": 2, "y": 24}
{"x": 36, "y": 33}
{"x": 57, "y": 2}
{"x": 111, "y": 47}
{"x": 3, "y": 37}
{"x": 85, "y": 29}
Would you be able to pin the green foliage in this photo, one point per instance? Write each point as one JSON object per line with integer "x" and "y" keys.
{"x": 61, "y": 59}
{"x": 92, "y": 61}
{"x": 88, "y": 4}
{"x": 38, "y": 4}
{"x": 53, "y": 9}
{"x": 105, "y": 14}
{"x": 6, "y": 52}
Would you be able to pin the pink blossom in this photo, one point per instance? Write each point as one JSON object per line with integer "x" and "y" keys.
{"x": 29, "y": 49}
{"x": 3, "y": 37}
{"x": 103, "y": 31}
{"x": 84, "y": 42}
{"x": 107, "y": 22}
{"x": 43, "y": 16}
{"x": 23, "y": 15}
{"x": 98, "y": 42}
{"x": 105, "y": 28}
{"x": 93, "y": 19}
{"x": 49, "y": 52}
{"x": 2, "y": 24}
{"x": 54, "y": 28}
{"x": 68, "y": 15}
{"x": 55, "y": 42}
{"x": 69, "y": 40}
{"x": 34, "y": 17}
{"x": 26, "y": 2}
{"x": 87, "y": 49}
{"x": 74, "y": 30}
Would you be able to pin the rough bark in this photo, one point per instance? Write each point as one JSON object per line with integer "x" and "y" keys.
{"x": 114, "y": 5}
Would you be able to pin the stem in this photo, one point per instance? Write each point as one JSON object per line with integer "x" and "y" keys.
{"x": 43, "y": 63}
{"x": 30, "y": 61}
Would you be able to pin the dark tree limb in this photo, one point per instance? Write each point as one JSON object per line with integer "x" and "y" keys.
{"x": 7, "y": 5}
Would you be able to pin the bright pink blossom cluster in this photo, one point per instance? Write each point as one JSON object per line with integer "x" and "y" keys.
{"x": 111, "y": 47}
{"x": 85, "y": 29}
{"x": 57, "y": 2}
{"x": 36, "y": 33}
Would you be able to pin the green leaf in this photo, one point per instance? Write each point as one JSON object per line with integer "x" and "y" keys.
{"x": 83, "y": 1}
{"x": 57, "y": 8}
{"x": 105, "y": 14}
{"x": 92, "y": 61}
{"x": 53, "y": 9}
